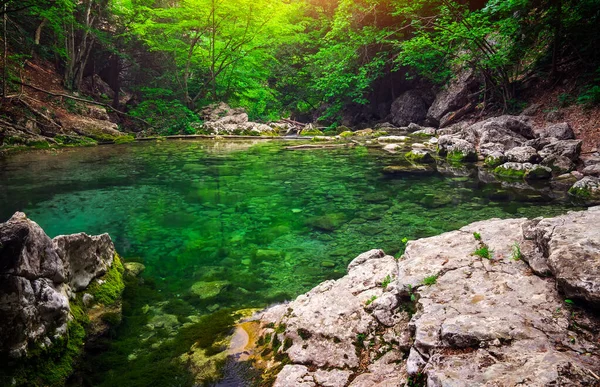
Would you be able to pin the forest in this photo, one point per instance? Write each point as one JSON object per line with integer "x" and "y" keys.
{"x": 328, "y": 61}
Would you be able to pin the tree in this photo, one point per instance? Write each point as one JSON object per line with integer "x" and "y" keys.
{"x": 209, "y": 39}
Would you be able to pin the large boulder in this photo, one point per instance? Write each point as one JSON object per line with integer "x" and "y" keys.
{"x": 560, "y": 131}
{"x": 527, "y": 171}
{"x": 587, "y": 189}
{"x": 570, "y": 246}
{"x": 523, "y": 154}
{"x": 449, "y": 315}
{"x": 33, "y": 303}
{"x": 26, "y": 251}
{"x": 410, "y": 107}
{"x": 454, "y": 97}
{"x": 456, "y": 149}
{"x": 85, "y": 257}
{"x": 37, "y": 274}
{"x": 567, "y": 148}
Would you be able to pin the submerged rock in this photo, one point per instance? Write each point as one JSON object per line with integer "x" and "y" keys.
{"x": 411, "y": 169}
{"x": 446, "y": 316}
{"x": 205, "y": 290}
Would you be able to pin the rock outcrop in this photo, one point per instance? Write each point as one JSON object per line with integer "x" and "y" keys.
{"x": 222, "y": 119}
{"x": 38, "y": 276}
{"x": 484, "y": 305}
{"x": 452, "y": 99}
{"x": 410, "y": 107}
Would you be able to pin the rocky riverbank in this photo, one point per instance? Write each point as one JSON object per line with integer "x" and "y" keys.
{"x": 498, "y": 302}
{"x": 55, "y": 295}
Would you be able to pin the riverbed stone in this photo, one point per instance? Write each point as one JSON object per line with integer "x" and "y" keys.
{"x": 456, "y": 149}
{"x": 205, "y": 290}
{"x": 523, "y": 154}
{"x": 409, "y": 169}
{"x": 419, "y": 156}
{"x": 392, "y": 139}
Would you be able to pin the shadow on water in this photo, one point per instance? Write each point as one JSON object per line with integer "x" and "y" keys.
{"x": 225, "y": 226}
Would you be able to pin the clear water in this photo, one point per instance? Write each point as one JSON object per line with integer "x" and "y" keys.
{"x": 271, "y": 223}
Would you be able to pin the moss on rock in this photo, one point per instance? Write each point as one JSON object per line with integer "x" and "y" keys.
{"x": 109, "y": 288}
{"x": 419, "y": 156}
{"x": 51, "y": 364}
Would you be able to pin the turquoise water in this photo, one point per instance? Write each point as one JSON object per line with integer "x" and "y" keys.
{"x": 247, "y": 223}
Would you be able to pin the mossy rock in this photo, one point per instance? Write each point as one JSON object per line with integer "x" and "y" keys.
{"x": 346, "y": 134}
{"x": 134, "y": 269}
{"x": 51, "y": 365}
{"x": 538, "y": 172}
{"x": 379, "y": 133}
{"x": 109, "y": 288}
{"x": 461, "y": 157}
{"x": 493, "y": 161}
{"x": 75, "y": 141}
{"x": 510, "y": 171}
{"x": 124, "y": 139}
{"x": 364, "y": 132}
{"x": 419, "y": 156}
{"x": 310, "y": 131}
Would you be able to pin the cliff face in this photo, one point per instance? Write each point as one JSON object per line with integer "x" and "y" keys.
{"x": 498, "y": 302}
{"x": 46, "y": 287}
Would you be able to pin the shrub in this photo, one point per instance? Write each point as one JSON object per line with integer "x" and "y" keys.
{"x": 167, "y": 117}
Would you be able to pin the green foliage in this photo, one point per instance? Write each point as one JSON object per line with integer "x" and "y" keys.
{"x": 590, "y": 96}
{"x": 516, "y": 252}
{"x": 483, "y": 252}
{"x": 167, "y": 117}
{"x": 370, "y": 300}
{"x": 431, "y": 280}
{"x": 386, "y": 281}
{"x": 477, "y": 236}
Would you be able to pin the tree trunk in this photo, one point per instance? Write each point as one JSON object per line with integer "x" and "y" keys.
{"x": 4, "y": 55}
{"x": 115, "y": 80}
{"x": 557, "y": 32}
{"x": 38, "y": 32}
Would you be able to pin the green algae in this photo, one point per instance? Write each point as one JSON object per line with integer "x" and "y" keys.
{"x": 249, "y": 213}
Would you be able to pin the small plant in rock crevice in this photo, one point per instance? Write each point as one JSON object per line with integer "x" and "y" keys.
{"x": 370, "y": 300}
{"x": 431, "y": 280}
{"x": 516, "y": 252}
{"x": 386, "y": 281}
{"x": 483, "y": 252}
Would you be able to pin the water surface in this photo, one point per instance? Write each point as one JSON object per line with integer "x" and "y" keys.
{"x": 248, "y": 223}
